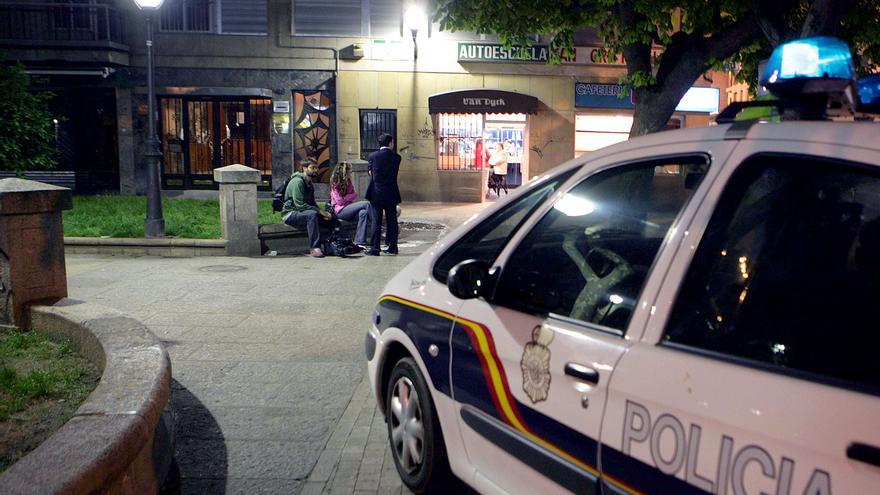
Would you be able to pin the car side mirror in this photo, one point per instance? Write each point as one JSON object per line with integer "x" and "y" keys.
{"x": 470, "y": 279}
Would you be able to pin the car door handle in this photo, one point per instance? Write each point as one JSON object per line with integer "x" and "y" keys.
{"x": 864, "y": 453}
{"x": 582, "y": 372}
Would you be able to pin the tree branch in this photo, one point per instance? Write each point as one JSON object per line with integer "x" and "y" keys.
{"x": 730, "y": 39}
{"x": 637, "y": 54}
{"x": 823, "y": 18}
{"x": 771, "y": 21}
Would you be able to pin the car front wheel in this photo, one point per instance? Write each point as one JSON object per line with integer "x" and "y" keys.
{"x": 414, "y": 431}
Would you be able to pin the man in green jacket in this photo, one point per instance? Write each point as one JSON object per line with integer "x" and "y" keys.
{"x": 300, "y": 208}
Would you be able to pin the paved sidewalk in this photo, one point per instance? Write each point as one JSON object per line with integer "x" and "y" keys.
{"x": 267, "y": 360}
{"x": 356, "y": 459}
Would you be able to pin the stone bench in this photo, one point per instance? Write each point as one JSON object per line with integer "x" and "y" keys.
{"x": 284, "y": 239}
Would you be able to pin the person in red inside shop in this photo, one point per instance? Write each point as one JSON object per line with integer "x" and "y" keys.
{"x": 480, "y": 154}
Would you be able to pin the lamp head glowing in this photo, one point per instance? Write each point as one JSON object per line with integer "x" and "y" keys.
{"x": 415, "y": 19}
{"x": 149, "y": 4}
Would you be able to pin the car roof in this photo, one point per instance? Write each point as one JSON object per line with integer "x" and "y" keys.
{"x": 857, "y": 134}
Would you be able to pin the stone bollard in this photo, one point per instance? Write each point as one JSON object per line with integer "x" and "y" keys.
{"x": 238, "y": 209}
{"x": 360, "y": 176}
{"x": 31, "y": 247}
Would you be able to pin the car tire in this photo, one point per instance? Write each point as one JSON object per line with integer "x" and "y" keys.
{"x": 417, "y": 448}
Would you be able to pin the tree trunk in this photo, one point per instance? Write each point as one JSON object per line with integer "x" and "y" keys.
{"x": 650, "y": 115}
{"x": 654, "y": 108}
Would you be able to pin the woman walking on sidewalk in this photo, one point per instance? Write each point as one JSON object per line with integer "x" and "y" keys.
{"x": 343, "y": 196}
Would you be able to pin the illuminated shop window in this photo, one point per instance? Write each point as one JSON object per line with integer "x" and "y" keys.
{"x": 598, "y": 131}
{"x": 466, "y": 141}
{"x": 460, "y": 143}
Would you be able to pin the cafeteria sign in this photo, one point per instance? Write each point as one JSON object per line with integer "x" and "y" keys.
{"x": 599, "y": 95}
{"x": 495, "y": 52}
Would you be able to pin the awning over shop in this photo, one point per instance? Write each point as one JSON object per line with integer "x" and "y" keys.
{"x": 482, "y": 101}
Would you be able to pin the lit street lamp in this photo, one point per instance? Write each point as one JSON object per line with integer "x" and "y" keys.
{"x": 414, "y": 18}
{"x": 154, "y": 225}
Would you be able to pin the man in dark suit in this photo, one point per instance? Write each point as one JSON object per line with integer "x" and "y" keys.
{"x": 384, "y": 195}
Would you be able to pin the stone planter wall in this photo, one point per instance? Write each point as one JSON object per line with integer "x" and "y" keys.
{"x": 107, "y": 447}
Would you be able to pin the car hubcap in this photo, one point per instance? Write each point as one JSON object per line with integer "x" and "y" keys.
{"x": 407, "y": 430}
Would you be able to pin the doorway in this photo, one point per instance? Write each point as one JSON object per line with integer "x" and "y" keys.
{"x": 86, "y": 137}
{"x": 200, "y": 134}
{"x": 509, "y": 129}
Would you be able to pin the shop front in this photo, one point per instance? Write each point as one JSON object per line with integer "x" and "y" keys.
{"x": 201, "y": 132}
{"x": 604, "y": 113}
{"x": 470, "y": 127}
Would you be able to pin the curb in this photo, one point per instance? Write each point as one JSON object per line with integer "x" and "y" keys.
{"x": 188, "y": 248}
{"x": 176, "y": 247}
{"x": 107, "y": 447}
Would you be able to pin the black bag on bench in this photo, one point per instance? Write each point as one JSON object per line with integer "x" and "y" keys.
{"x": 340, "y": 245}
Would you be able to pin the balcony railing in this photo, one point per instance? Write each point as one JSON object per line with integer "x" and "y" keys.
{"x": 61, "y": 23}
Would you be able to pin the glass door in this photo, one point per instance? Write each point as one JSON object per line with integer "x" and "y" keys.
{"x": 233, "y": 133}
{"x": 202, "y": 142}
{"x": 259, "y": 119}
{"x": 510, "y": 130}
{"x": 200, "y": 134}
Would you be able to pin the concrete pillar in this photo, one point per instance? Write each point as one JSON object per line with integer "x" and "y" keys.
{"x": 31, "y": 246}
{"x": 360, "y": 176}
{"x": 125, "y": 137}
{"x": 238, "y": 209}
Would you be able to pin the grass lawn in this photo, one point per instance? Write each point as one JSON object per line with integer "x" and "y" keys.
{"x": 42, "y": 383}
{"x": 123, "y": 216}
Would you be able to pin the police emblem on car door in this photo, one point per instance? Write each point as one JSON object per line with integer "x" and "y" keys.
{"x": 535, "y": 364}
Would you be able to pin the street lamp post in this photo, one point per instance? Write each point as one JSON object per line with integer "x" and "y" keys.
{"x": 154, "y": 225}
{"x": 414, "y": 18}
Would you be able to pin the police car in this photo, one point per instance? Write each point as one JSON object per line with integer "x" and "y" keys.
{"x": 689, "y": 311}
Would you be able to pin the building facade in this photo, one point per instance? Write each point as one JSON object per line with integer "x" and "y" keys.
{"x": 266, "y": 83}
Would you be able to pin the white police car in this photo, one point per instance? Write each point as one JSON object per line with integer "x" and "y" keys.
{"x": 689, "y": 311}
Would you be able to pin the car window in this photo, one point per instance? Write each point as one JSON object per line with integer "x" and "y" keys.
{"x": 487, "y": 240}
{"x": 787, "y": 275}
{"x": 589, "y": 256}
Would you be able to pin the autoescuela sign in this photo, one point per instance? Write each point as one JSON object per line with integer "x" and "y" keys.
{"x": 495, "y": 52}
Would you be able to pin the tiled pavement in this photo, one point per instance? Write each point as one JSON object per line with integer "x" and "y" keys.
{"x": 267, "y": 361}
{"x": 356, "y": 459}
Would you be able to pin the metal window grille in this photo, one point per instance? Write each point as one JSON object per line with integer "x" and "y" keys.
{"x": 186, "y": 16}
{"x": 373, "y": 124}
{"x": 374, "y": 18}
{"x": 459, "y": 142}
{"x": 261, "y": 142}
{"x": 385, "y": 18}
{"x": 81, "y": 20}
{"x": 244, "y": 16}
{"x": 329, "y": 17}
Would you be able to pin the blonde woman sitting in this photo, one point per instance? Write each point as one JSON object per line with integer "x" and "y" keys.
{"x": 343, "y": 198}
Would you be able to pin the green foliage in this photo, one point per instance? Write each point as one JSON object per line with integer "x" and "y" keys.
{"x": 695, "y": 35}
{"x": 123, "y": 216}
{"x": 26, "y": 128}
{"x": 861, "y": 28}
{"x": 33, "y": 368}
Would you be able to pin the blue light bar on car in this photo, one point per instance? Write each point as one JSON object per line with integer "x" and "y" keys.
{"x": 869, "y": 93}
{"x": 819, "y": 57}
